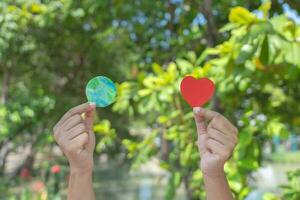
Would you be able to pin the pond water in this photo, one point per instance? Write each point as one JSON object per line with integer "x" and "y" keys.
{"x": 269, "y": 177}
{"x": 113, "y": 182}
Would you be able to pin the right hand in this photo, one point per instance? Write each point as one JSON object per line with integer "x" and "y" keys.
{"x": 217, "y": 138}
{"x": 75, "y": 137}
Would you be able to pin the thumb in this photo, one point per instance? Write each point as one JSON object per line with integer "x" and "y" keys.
{"x": 201, "y": 129}
{"x": 89, "y": 116}
{"x": 199, "y": 120}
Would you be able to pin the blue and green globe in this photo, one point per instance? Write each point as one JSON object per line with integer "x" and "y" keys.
{"x": 101, "y": 90}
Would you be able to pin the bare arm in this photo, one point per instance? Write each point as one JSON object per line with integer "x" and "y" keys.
{"x": 217, "y": 188}
{"x": 81, "y": 186}
{"x": 76, "y": 139}
{"x": 217, "y": 138}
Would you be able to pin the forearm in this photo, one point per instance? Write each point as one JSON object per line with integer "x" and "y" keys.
{"x": 81, "y": 186}
{"x": 217, "y": 188}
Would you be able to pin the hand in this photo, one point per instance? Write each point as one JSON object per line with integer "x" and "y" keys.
{"x": 217, "y": 138}
{"x": 75, "y": 137}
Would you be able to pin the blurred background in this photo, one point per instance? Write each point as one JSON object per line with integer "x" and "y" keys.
{"x": 50, "y": 49}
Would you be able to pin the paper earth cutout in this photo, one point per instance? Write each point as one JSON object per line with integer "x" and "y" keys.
{"x": 197, "y": 92}
{"x": 101, "y": 90}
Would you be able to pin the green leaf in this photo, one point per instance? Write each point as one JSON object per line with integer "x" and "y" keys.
{"x": 186, "y": 154}
{"x": 265, "y": 8}
{"x": 37, "y": 8}
{"x": 144, "y": 92}
{"x": 177, "y": 178}
{"x": 174, "y": 182}
{"x": 162, "y": 119}
{"x": 240, "y": 15}
{"x": 260, "y": 28}
{"x": 246, "y": 53}
{"x": 78, "y": 13}
{"x": 229, "y": 27}
{"x": 245, "y": 138}
{"x": 264, "y": 52}
{"x": 157, "y": 69}
{"x": 292, "y": 54}
{"x": 184, "y": 65}
{"x": 248, "y": 164}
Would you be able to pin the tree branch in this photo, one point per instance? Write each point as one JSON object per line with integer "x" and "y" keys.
{"x": 211, "y": 30}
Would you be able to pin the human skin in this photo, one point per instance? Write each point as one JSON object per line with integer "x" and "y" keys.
{"x": 217, "y": 138}
{"x": 76, "y": 139}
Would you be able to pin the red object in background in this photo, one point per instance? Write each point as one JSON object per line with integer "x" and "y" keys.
{"x": 55, "y": 169}
{"x": 25, "y": 173}
{"x": 197, "y": 92}
{"x": 38, "y": 186}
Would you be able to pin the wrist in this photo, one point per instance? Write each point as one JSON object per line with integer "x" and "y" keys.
{"x": 81, "y": 172}
{"x": 216, "y": 171}
{"x": 82, "y": 167}
{"x": 214, "y": 175}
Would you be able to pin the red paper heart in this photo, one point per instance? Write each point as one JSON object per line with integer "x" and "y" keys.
{"x": 197, "y": 92}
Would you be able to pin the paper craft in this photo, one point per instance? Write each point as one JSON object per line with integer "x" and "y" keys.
{"x": 197, "y": 92}
{"x": 101, "y": 90}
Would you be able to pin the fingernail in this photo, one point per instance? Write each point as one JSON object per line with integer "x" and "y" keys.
{"x": 197, "y": 109}
{"x": 92, "y": 104}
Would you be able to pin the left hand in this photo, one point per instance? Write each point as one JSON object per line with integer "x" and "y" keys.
{"x": 76, "y": 138}
{"x": 217, "y": 138}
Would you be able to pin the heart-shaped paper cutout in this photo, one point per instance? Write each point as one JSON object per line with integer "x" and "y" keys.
{"x": 197, "y": 92}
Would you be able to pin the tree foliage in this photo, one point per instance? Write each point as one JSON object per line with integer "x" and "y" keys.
{"x": 255, "y": 71}
{"x": 50, "y": 49}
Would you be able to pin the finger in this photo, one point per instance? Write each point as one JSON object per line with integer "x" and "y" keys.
{"x": 206, "y": 114}
{"x": 201, "y": 143}
{"x": 61, "y": 140}
{"x": 75, "y": 131}
{"x": 80, "y": 141}
{"x": 220, "y": 123}
{"x": 72, "y": 122}
{"x": 218, "y": 136}
{"x": 199, "y": 120}
{"x": 89, "y": 123}
{"x": 76, "y": 110}
{"x": 215, "y": 146}
{"x": 89, "y": 119}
